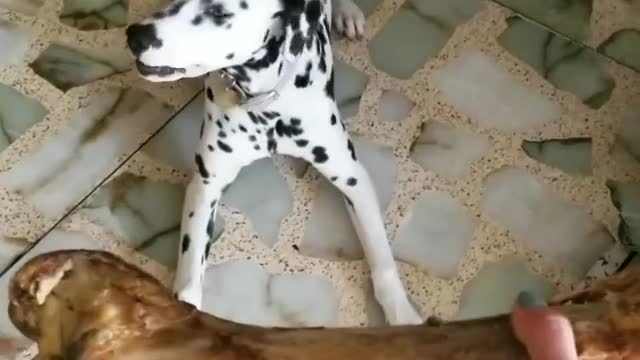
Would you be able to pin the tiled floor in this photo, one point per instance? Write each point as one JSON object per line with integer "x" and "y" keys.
{"x": 506, "y": 154}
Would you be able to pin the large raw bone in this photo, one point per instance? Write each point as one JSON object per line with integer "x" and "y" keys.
{"x": 91, "y": 305}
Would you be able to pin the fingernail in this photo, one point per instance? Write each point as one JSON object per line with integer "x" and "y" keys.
{"x": 530, "y": 300}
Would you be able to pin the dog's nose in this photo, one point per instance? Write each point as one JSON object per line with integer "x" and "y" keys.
{"x": 141, "y": 37}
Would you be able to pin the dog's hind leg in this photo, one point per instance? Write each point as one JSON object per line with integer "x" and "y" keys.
{"x": 348, "y": 19}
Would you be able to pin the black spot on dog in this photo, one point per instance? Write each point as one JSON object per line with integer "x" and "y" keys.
{"x": 256, "y": 147}
{"x": 226, "y": 118}
{"x": 175, "y": 8}
{"x": 213, "y": 204}
{"x": 218, "y": 124}
{"x": 228, "y": 26}
{"x": 302, "y": 142}
{"x": 319, "y": 154}
{"x": 329, "y": 87}
{"x": 334, "y": 178}
{"x": 230, "y": 56}
{"x": 272, "y": 146}
{"x": 206, "y": 182}
{"x": 352, "y": 181}
{"x": 322, "y": 64}
{"x": 266, "y": 36}
{"x": 304, "y": 80}
{"x": 217, "y": 13}
{"x": 352, "y": 150}
{"x": 271, "y": 114}
{"x": 207, "y": 249}
{"x": 253, "y": 117}
{"x": 242, "y": 128}
{"x": 334, "y": 119}
{"x": 224, "y": 147}
{"x": 297, "y": 44}
{"x": 244, "y": 5}
{"x": 239, "y": 72}
{"x": 252, "y": 138}
{"x": 295, "y": 247}
{"x": 201, "y": 168}
{"x": 222, "y": 134}
{"x": 262, "y": 120}
{"x": 293, "y": 129}
{"x": 201, "y": 129}
{"x": 209, "y": 94}
{"x": 293, "y": 6}
{"x": 191, "y": 214}
{"x": 209, "y": 117}
{"x": 258, "y": 131}
{"x": 280, "y": 68}
{"x": 186, "y": 241}
{"x": 313, "y": 11}
{"x": 210, "y": 147}
{"x": 210, "y": 227}
{"x": 270, "y": 57}
{"x": 197, "y": 20}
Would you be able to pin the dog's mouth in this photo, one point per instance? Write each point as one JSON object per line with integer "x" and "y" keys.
{"x": 162, "y": 71}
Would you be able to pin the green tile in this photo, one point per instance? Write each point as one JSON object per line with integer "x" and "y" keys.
{"x": 28, "y": 7}
{"x": 66, "y": 67}
{"x": 144, "y": 213}
{"x": 496, "y": 286}
{"x": 568, "y": 17}
{"x": 417, "y": 32}
{"x": 15, "y": 42}
{"x": 626, "y": 198}
{"x": 17, "y": 114}
{"x": 564, "y": 64}
{"x": 624, "y": 46}
{"x": 572, "y": 156}
{"x": 627, "y": 137}
{"x": 349, "y": 86}
{"x": 95, "y": 14}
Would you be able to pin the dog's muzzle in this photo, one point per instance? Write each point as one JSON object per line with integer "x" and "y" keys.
{"x": 146, "y": 70}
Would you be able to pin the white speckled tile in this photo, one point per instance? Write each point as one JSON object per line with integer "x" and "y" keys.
{"x": 501, "y": 166}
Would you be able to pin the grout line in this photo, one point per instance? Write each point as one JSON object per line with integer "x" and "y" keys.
{"x": 566, "y": 37}
{"x": 100, "y": 184}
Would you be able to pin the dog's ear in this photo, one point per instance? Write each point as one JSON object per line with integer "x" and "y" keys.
{"x": 301, "y": 20}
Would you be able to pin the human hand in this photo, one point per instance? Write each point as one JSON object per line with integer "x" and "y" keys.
{"x": 546, "y": 334}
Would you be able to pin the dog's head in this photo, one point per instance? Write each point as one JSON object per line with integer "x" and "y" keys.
{"x": 190, "y": 38}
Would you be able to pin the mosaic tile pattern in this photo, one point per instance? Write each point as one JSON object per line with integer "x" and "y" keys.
{"x": 500, "y": 167}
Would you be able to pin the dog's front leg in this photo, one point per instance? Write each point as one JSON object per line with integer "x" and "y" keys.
{"x": 216, "y": 170}
{"x": 336, "y": 159}
{"x": 366, "y": 216}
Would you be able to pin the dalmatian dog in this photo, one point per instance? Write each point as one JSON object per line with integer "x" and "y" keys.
{"x": 269, "y": 90}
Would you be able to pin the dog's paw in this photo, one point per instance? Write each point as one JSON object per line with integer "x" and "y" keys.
{"x": 393, "y": 299}
{"x": 403, "y": 314}
{"x": 189, "y": 293}
{"x": 348, "y": 19}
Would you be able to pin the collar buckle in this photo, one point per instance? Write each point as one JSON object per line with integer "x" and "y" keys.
{"x": 231, "y": 84}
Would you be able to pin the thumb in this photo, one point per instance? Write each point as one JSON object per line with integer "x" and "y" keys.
{"x": 545, "y": 333}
